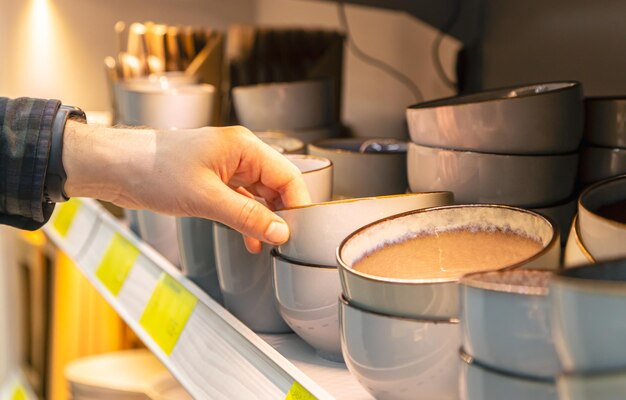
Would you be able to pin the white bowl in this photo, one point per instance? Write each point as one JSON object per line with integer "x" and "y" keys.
{"x": 545, "y": 118}
{"x": 524, "y": 181}
{"x": 400, "y": 358}
{"x": 598, "y": 163}
{"x": 289, "y": 105}
{"x": 602, "y": 386}
{"x": 481, "y": 383}
{"x": 605, "y": 121}
{"x": 159, "y": 231}
{"x": 588, "y": 311}
{"x": 576, "y": 253}
{"x": 433, "y": 297}
{"x": 307, "y": 300}
{"x": 197, "y": 254}
{"x": 360, "y": 172}
{"x": 290, "y": 145}
{"x": 317, "y": 229}
{"x": 603, "y": 237}
{"x": 505, "y": 320}
{"x": 562, "y": 214}
{"x": 246, "y": 282}
{"x": 317, "y": 173}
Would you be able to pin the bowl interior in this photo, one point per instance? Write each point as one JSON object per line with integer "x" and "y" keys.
{"x": 604, "y": 193}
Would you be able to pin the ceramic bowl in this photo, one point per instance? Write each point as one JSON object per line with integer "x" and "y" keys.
{"x": 601, "y": 386}
{"x": 246, "y": 282}
{"x": 605, "y": 121}
{"x": 505, "y": 321}
{"x": 317, "y": 229}
{"x": 562, "y": 214}
{"x": 478, "y": 382}
{"x": 545, "y": 118}
{"x": 317, "y": 173}
{"x": 159, "y": 231}
{"x": 603, "y": 237}
{"x": 598, "y": 163}
{"x": 307, "y": 301}
{"x": 524, "y": 181}
{"x": 290, "y": 105}
{"x": 365, "y": 167}
{"x": 433, "y": 297}
{"x": 576, "y": 253}
{"x": 589, "y": 310}
{"x": 312, "y": 135}
{"x": 398, "y": 358}
{"x": 197, "y": 254}
{"x": 290, "y": 145}
{"x": 168, "y": 107}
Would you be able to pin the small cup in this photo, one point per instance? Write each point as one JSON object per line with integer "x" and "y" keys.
{"x": 505, "y": 320}
{"x": 588, "y": 314}
{"x": 317, "y": 173}
{"x": 601, "y": 386}
{"x": 478, "y": 382}
{"x": 307, "y": 301}
{"x": 400, "y": 358}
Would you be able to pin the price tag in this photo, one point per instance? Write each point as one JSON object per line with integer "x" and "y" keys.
{"x": 167, "y": 312}
{"x": 298, "y": 392}
{"x": 19, "y": 393}
{"x": 65, "y": 216}
{"x": 117, "y": 262}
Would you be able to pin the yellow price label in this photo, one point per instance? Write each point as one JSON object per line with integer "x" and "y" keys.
{"x": 298, "y": 392}
{"x": 19, "y": 393}
{"x": 116, "y": 264}
{"x": 65, "y": 216}
{"x": 167, "y": 312}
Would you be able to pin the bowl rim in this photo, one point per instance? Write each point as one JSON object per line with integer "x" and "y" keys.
{"x": 590, "y": 284}
{"x": 598, "y": 99}
{"x": 471, "y": 280}
{"x": 469, "y": 360}
{"x": 308, "y": 156}
{"x": 182, "y": 89}
{"x": 316, "y": 145}
{"x": 274, "y": 253}
{"x": 579, "y": 242}
{"x": 591, "y": 188}
{"x": 571, "y": 154}
{"x": 345, "y": 302}
{"x": 565, "y": 85}
{"x": 554, "y": 240}
{"x": 358, "y": 199}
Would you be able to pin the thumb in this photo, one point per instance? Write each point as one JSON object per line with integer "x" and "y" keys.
{"x": 250, "y": 217}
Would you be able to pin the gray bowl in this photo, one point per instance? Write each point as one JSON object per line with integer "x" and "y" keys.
{"x": 598, "y": 163}
{"x": 605, "y": 121}
{"x": 544, "y": 118}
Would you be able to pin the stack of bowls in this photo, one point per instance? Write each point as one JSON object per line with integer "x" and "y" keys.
{"x": 600, "y": 226}
{"x": 301, "y": 109}
{"x": 400, "y": 331}
{"x": 589, "y": 310}
{"x": 508, "y": 351}
{"x": 305, "y": 278}
{"x": 515, "y": 146}
{"x": 365, "y": 167}
{"x": 245, "y": 279}
{"x": 604, "y": 153}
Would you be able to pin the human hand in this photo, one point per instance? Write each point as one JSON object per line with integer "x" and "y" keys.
{"x": 212, "y": 173}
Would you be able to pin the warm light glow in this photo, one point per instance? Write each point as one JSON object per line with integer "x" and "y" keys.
{"x": 38, "y": 48}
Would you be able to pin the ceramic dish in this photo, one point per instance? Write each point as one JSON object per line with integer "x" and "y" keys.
{"x": 562, "y": 214}
{"x": 603, "y": 237}
{"x": 285, "y": 105}
{"x": 588, "y": 314}
{"x": 290, "y": 145}
{"x": 433, "y": 297}
{"x": 317, "y": 229}
{"x": 312, "y": 135}
{"x": 159, "y": 231}
{"x": 524, "y": 181}
{"x": 365, "y": 167}
{"x": 397, "y": 358}
{"x": 605, "y": 121}
{"x": 505, "y": 320}
{"x": 603, "y": 386}
{"x": 317, "y": 173}
{"x": 246, "y": 282}
{"x": 545, "y": 118}
{"x": 307, "y": 300}
{"x": 598, "y": 163}
{"x": 478, "y": 382}
{"x": 576, "y": 253}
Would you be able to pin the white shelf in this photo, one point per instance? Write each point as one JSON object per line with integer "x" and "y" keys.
{"x": 215, "y": 356}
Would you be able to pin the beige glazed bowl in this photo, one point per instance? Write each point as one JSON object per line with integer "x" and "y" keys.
{"x": 434, "y": 297}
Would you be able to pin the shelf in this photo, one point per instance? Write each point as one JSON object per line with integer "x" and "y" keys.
{"x": 210, "y": 352}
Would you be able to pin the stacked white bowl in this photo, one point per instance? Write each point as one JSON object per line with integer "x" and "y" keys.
{"x": 305, "y": 278}
{"x": 589, "y": 310}
{"x": 301, "y": 109}
{"x": 604, "y": 152}
{"x": 516, "y": 146}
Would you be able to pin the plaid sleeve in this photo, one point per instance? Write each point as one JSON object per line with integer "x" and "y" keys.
{"x": 25, "y": 133}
